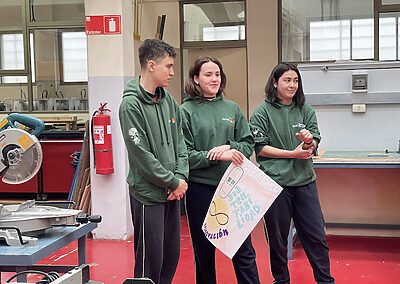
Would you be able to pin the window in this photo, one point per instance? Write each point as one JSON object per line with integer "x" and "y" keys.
{"x": 329, "y": 40}
{"x": 216, "y": 29}
{"x": 388, "y": 36}
{"x": 223, "y": 33}
{"x": 74, "y": 57}
{"x": 57, "y": 10}
{"x": 315, "y": 30}
{"x": 12, "y": 56}
{"x": 338, "y": 30}
{"x": 46, "y": 71}
{"x": 12, "y": 51}
{"x": 216, "y": 21}
{"x": 362, "y": 38}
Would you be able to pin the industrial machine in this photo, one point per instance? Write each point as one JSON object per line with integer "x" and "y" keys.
{"x": 21, "y": 224}
{"x": 21, "y": 154}
{"x": 20, "y": 160}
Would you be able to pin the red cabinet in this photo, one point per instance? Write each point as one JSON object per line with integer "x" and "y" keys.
{"x": 57, "y": 170}
{"x": 30, "y": 186}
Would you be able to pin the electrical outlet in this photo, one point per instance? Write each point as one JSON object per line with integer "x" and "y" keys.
{"x": 359, "y": 82}
{"x": 359, "y": 108}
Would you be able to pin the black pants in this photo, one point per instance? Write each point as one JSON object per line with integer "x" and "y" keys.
{"x": 302, "y": 204}
{"x": 156, "y": 240}
{"x": 198, "y": 199}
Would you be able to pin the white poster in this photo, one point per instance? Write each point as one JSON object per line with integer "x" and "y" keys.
{"x": 243, "y": 196}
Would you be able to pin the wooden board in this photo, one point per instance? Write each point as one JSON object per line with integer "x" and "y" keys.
{"x": 84, "y": 163}
{"x": 70, "y": 122}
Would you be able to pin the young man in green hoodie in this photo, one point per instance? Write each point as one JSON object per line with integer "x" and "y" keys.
{"x": 158, "y": 162}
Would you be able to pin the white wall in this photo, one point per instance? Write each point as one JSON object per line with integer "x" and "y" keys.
{"x": 110, "y": 65}
{"x": 376, "y": 130}
{"x": 331, "y": 94}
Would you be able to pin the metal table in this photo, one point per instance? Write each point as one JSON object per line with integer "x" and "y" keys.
{"x": 24, "y": 257}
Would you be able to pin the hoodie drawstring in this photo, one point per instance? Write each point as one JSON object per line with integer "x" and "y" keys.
{"x": 159, "y": 125}
{"x": 165, "y": 127}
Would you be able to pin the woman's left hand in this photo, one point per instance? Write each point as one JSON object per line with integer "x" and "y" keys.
{"x": 216, "y": 152}
{"x": 232, "y": 155}
{"x": 300, "y": 153}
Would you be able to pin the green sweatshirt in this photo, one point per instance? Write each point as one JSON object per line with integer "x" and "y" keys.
{"x": 207, "y": 124}
{"x": 156, "y": 147}
{"x": 275, "y": 125}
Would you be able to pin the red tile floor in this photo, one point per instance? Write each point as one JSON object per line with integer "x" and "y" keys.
{"x": 355, "y": 260}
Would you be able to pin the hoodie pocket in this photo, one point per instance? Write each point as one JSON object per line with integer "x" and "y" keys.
{"x": 278, "y": 168}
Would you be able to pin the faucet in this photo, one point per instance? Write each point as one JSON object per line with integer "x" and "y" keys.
{"x": 59, "y": 94}
{"x": 23, "y": 95}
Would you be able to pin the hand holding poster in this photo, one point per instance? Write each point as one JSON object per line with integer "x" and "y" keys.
{"x": 242, "y": 197}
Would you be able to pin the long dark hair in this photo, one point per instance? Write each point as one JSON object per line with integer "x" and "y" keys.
{"x": 191, "y": 88}
{"x": 271, "y": 92}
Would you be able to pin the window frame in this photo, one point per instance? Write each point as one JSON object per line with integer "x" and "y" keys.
{"x": 13, "y": 72}
{"x": 209, "y": 44}
{"x": 206, "y": 44}
{"x": 60, "y": 47}
{"x": 379, "y": 8}
{"x": 28, "y": 26}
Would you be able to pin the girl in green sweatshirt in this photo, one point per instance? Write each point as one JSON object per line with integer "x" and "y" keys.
{"x": 286, "y": 135}
{"x": 216, "y": 133}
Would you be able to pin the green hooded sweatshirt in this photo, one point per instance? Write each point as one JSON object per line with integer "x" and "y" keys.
{"x": 207, "y": 124}
{"x": 275, "y": 125}
{"x": 157, "y": 152}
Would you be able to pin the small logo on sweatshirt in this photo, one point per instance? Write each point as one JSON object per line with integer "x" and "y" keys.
{"x": 230, "y": 119}
{"x": 172, "y": 120}
{"x": 134, "y": 134}
{"x": 257, "y": 132}
{"x": 299, "y": 125}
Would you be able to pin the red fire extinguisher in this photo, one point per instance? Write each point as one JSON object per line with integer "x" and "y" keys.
{"x": 102, "y": 142}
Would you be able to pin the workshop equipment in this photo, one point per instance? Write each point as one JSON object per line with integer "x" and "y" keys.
{"x": 20, "y": 224}
{"x": 21, "y": 154}
{"x": 80, "y": 274}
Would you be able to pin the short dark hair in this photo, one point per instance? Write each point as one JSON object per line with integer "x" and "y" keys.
{"x": 191, "y": 88}
{"x": 270, "y": 91}
{"x": 154, "y": 49}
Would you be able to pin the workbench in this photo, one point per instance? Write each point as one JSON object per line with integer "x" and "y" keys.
{"x": 359, "y": 193}
{"x": 22, "y": 258}
{"x": 357, "y": 159}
